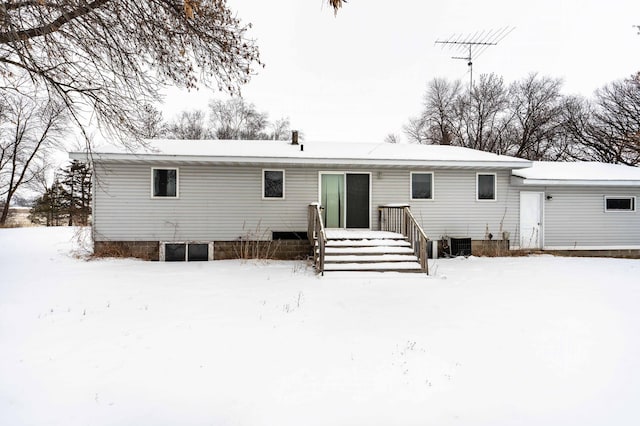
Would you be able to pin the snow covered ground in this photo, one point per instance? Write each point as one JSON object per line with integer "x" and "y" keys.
{"x": 486, "y": 341}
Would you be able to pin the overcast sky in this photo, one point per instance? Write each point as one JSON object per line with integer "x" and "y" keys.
{"x": 360, "y": 75}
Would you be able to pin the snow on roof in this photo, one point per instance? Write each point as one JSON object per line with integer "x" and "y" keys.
{"x": 307, "y": 153}
{"x": 578, "y": 173}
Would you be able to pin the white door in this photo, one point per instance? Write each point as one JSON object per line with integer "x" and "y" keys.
{"x": 531, "y": 220}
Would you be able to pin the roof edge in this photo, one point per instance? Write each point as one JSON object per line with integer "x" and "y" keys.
{"x": 129, "y": 158}
{"x": 574, "y": 182}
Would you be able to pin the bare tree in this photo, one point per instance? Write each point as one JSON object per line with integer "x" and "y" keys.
{"x": 189, "y": 125}
{"x": 30, "y": 128}
{"x": 440, "y": 103}
{"x": 608, "y": 129}
{"x": 237, "y": 119}
{"x": 392, "y": 138}
{"x": 152, "y": 123}
{"x": 417, "y": 130}
{"x": 535, "y": 122}
{"x": 482, "y": 115}
{"x": 280, "y": 129}
{"x": 454, "y": 117}
{"x": 111, "y": 56}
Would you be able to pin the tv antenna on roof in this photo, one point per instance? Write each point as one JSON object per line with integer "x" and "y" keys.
{"x": 474, "y": 45}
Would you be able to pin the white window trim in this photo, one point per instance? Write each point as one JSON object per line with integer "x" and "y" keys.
{"x": 161, "y": 256}
{"x": 433, "y": 186}
{"x": 495, "y": 187}
{"x": 606, "y": 197}
{"x": 161, "y": 197}
{"x": 284, "y": 184}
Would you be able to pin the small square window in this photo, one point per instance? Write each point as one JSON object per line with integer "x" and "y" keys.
{"x": 486, "y": 186}
{"x": 198, "y": 252}
{"x": 175, "y": 252}
{"x": 165, "y": 182}
{"x": 421, "y": 186}
{"x": 273, "y": 183}
{"x": 619, "y": 204}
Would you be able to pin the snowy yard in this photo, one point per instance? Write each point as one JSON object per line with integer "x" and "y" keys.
{"x": 485, "y": 341}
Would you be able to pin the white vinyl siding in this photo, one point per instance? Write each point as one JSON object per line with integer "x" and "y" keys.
{"x": 225, "y": 203}
{"x": 454, "y": 211}
{"x": 575, "y": 217}
{"x": 216, "y": 203}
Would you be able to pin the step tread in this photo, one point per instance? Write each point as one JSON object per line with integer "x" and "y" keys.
{"x": 382, "y": 266}
{"x": 368, "y": 250}
{"x": 366, "y": 243}
{"x": 370, "y": 258}
{"x": 342, "y": 234}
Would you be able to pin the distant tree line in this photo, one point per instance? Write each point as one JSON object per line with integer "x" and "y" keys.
{"x": 532, "y": 119}
{"x": 233, "y": 119}
{"x": 67, "y": 201}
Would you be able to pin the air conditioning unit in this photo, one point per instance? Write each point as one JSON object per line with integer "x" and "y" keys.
{"x": 460, "y": 246}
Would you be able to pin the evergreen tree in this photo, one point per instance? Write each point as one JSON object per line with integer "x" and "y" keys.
{"x": 50, "y": 209}
{"x": 67, "y": 200}
{"x": 77, "y": 183}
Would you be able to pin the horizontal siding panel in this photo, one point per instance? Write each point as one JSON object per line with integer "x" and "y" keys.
{"x": 225, "y": 203}
{"x": 576, "y": 217}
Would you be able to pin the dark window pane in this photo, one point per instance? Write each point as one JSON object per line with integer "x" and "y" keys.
{"x": 289, "y": 235}
{"x": 198, "y": 252}
{"x": 421, "y": 185}
{"x": 164, "y": 182}
{"x": 486, "y": 187}
{"x": 273, "y": 184}
{"x": 620, "y": 203}
{"x": 174, "y": 252}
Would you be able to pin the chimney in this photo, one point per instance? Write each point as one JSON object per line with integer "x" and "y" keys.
{"x": 294, "y": 137}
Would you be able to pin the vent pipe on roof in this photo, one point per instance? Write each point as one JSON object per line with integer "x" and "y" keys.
{"x": 294, "y": 137}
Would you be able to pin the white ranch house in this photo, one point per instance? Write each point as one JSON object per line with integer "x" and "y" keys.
{"x": 203, "y": 199}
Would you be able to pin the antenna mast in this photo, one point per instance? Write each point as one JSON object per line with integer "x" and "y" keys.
{"x": 474, "y": 46}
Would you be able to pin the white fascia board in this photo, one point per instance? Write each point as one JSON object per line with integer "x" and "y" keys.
{"x": 559, "y": 182}
{"x": 296, "y": 160}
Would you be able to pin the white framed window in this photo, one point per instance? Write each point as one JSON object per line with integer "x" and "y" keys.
{"x": 272, "y": 184}
{"x": 422, "y": 185}
{"x": 186, "y": 251}
{"x": 486, "y": 187}
{"x": 164, "y": 182}
{"x": 619, "y": 203}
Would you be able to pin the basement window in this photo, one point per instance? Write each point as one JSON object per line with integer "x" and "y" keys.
{"x": 187, "y": 251}
{"x": 619, "y": 204}
{"x": 174, "y": 252}
{"x": 198, "y": 253}
{"x": 289, "y": 235}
